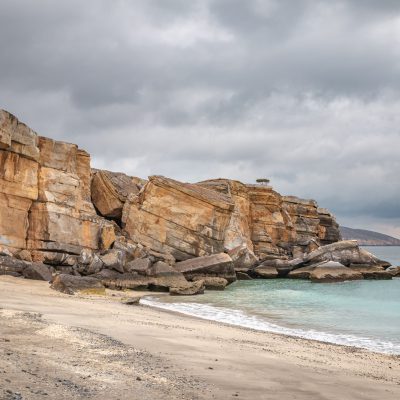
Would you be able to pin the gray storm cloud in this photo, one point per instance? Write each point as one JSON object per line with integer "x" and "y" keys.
{"x": 306, "y": 93}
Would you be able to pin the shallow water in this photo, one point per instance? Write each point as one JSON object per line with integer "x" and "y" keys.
{"x": 364, "y": 314}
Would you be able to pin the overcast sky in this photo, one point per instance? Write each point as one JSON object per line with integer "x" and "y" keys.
{"x": 306, "y": 93}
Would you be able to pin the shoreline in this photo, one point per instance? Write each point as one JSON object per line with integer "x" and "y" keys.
{"x": 148, "y": 352}
{"x": 279, "y": 331}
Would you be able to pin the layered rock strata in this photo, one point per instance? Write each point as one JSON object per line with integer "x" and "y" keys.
{"x": 45, "y": 200}
{"x": 181, "y": 219}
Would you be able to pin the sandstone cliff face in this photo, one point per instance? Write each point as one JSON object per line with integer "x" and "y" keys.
{"x": 182, "y": 219}
{"x": 54, "y": 205}
{"x": 45, "y": 200}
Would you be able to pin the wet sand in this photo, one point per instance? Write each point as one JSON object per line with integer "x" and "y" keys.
{"x": 84, "y": 347}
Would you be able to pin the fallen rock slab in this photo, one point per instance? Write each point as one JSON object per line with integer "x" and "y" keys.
{"x": 217, "y": 265}
{"x": 212, "y": 283}
{"x": 266, "y": 272}
{"x": 372, "y": 272}
{"x": 333, "y": 272}
{"x": 37, "y": 271}
{"x": 189, "y": 290}
{"x": 12, "y": 266}
{"x": 71, "y": 284}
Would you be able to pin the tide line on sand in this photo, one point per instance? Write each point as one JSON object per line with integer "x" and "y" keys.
{"x": 241, "y": 319}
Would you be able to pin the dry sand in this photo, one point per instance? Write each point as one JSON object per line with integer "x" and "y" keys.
{"x": 57, "y": 346}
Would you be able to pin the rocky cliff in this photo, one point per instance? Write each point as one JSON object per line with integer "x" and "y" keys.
{"x": 53, "y": 206}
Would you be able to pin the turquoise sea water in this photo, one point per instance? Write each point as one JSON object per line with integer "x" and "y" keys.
{"x": 364, "y": 314}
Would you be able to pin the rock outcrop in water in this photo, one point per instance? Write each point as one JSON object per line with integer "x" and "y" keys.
{"x": 127, "y": 232}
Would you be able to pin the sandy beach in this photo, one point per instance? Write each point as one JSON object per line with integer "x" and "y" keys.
{"x": 78, "y": 347}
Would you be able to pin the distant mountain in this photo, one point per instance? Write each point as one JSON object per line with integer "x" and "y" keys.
{"x": 368, "y": 238}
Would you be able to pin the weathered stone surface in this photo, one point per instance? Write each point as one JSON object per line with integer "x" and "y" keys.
{"x": 328, "y": 231}
{"x": 70, "y": 284}
{"x": 140, "y": 265}
{"x": 243, "y": 276}
{"x": 5, "y": 252}
{"x": 37, "y": 271}
{"x": 181, "y": 219}
{"x": 212, "y": 283}
{"x": 188, "y": 290}
{"x": 371, "y": 272}
{"x": 110, "y": 191}
{"x": 394, "y": 271}
{"x": 165, "y": 276}
{"x": 114, "y": 259}
{"x": 16, "y": 137}
{"x": 24, "y": 255}
{"x": 12, "y": 266}
{"x": 346, "y": 252}
{"x": 56, "y": 227}
{"x": 332, "y": 271}
{"x": 216, "y": 265}
{"x": 95, "y": 266}
{"x": 18, "y": 175}
{"x": 301, "y": 273}
{"x": 52, "y": 258}
{"x": 266, "y": 272}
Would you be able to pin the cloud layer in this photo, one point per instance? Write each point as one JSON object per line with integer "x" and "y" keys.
{"x": 306, "y": 93}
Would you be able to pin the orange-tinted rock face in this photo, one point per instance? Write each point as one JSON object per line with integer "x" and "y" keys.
{"x": 182, "y": 219}
{"x": 47, "y": 190}
{"x": 45, "y": 193}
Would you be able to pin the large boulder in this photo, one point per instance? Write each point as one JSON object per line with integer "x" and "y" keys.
{"x": 140, "y": 265}
{"x": 37, "y": 271}
{"x": 70, "y": 284}
{"x": 12, "y": 266}
{"x": 212, "y": 283}
{"x": 371, "y": 271}
{"x": 181, "y": 219}
{"x": 160, "y": 277}
{"x": 110, "y": 191}
{"x": 189, "y": 289}
{"x": 332, "y": 271}
{"x": 347, "y": 252}
{"x": 266, "y": 272}
{"x": 301, "y": 273}
{"x": 114, "y": 259}
{"x": 216, "y": 265}
{"x": 164, "y": 276}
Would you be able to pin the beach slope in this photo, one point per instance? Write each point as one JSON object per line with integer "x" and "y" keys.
{"x": 78, "y": 347}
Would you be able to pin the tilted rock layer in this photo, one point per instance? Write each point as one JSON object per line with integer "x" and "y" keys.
{"x": 52, "y": 203}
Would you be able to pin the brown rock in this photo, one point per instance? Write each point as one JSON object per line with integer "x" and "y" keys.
{"x": 371, "y": 272}
{"x": 216, "y": 265}
{"x": 243, "y": 276}
{"x": 175, "y": 218}
{"x": 37, "y": 271}
{"x": 24, "y": 255}
{"x": 114, "y": 259}
{"x": 188, "y": 290}
{"x": 332, "y": 271}
{"x": 346, "y": 252}
{"x": 12, "y": 266}
{"x": 301, "y": 273}
{"x": 110, "y": 191}
{"x": 211, "y": 283}
{"x": 266, "y": 272}
{"x": 140, "y": 265}
{"x": 70, "y": 284}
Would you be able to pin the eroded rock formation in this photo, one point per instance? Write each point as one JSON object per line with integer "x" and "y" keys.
{"x": 126, "y": 232}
